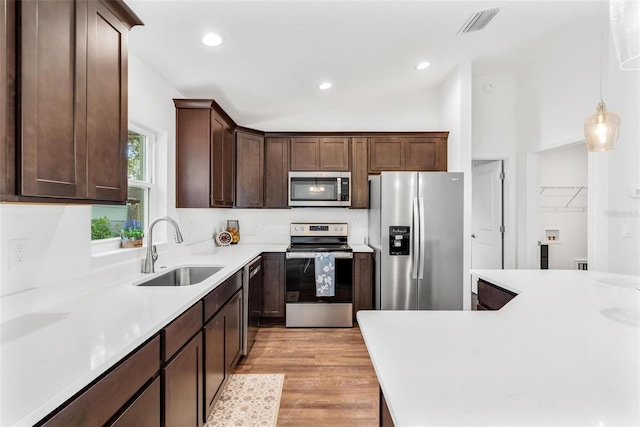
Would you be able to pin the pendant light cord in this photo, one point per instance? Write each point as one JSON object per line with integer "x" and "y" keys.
{"x": 602, "y": 2}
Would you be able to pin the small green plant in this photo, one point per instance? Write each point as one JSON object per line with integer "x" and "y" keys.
{"x": 101, "y": 228}
{"x": 132, "y": 230}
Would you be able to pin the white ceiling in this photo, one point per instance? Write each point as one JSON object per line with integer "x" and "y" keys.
{"x": 276, "y": 53}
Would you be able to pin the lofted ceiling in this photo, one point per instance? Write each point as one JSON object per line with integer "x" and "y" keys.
{"x": 276, "y": 53}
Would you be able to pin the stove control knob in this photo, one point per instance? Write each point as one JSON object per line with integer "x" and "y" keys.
{"x": 341, "y": 228}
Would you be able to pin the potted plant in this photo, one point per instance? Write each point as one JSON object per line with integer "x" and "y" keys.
{"x": 131, "y": 234}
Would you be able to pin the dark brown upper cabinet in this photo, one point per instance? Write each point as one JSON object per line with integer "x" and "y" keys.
{"x": 71, "y": 134}
{"x": 204, "y": 155}
{"x": 7, "y": 79}
{"x": 320, "y": 154}
{"x": 359, "y": 173}
{"x": 408, "y": 153}
{"x": 249, "y": 170}
{"x": 276, "y": 185}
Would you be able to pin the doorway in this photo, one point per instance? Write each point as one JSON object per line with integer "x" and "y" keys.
{"x": 487, "y": 218}
{"x": 562, "y": 213}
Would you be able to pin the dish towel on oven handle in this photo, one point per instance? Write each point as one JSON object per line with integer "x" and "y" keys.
{"x": 325, "y": 274}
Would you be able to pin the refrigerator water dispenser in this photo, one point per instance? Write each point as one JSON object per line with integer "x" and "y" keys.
{"x": 399, "y": 240}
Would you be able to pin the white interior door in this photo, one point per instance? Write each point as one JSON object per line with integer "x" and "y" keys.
{"x": 486, "y": 222}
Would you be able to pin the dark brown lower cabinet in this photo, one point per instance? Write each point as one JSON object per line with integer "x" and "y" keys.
{"x": 222, "y": 334}
{"x": 273, "y": 288}
{"x": 143, "y": 412}
{"x": 214, "y": 366}
{"x": 232, "y": 331}
{"x": 183, "y": 386}
{"x": 362, "y": 282}
{"x": 492, "y": 297}
{"x": 108, "y": 397}
{"x": 385, "y": 415}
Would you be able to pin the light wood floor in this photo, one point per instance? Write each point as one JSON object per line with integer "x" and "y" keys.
{"x": 329, "y": 379}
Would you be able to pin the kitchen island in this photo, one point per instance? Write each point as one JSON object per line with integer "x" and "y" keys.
{"x": 554, "y": 355}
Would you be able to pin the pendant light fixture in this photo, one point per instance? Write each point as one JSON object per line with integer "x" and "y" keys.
{"x": 601, "y": 129}
{"x": 625, "y": 28}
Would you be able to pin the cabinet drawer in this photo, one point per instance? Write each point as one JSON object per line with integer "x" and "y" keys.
{"x": 217, "y": 297}
{"x": 144, "y": 411}
{"x": 102, "y": 400}
{"x": 178, "y": 332}
{"x": 492, "y": 297}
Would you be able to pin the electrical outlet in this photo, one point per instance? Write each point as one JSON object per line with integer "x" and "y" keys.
{"x": 17, "y": 253}
{"x": 354, "y": 224}
{"x": 257, "y": 224}
{"x": 626, "y": 230}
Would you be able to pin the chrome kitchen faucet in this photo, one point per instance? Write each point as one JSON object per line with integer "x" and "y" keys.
{"x": 152, "y": 254}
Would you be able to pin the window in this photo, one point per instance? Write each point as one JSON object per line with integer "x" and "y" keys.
{"x": 107, "y": 221}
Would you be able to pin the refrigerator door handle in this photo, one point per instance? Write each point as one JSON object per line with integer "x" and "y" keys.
{"x": 415, "y": 237}
{"x": 422, "y": 239}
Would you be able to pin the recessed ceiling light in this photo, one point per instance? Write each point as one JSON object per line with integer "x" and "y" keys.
{"x": 423, "y": 65}
{"x": 212, "y": 39}
{"x": 325, "y": 86}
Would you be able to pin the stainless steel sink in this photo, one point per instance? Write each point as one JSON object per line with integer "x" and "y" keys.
{"x": 182, "y": 276}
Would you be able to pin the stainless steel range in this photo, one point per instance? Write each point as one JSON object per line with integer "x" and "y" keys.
{"x": 319, "y": 280}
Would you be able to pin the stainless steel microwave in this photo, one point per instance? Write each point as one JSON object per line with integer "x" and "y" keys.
{"x": 328, "y": 189}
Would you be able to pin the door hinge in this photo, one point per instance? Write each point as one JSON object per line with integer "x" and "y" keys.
{"x": 502, "y": 176}
{"x": 502, "y": 228}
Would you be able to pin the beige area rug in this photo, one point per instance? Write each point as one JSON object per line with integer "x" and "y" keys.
{"x": 248, "y": 400}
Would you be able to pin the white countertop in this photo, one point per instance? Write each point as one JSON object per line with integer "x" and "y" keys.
{"x": 49, "y": 354}
{"x": 553, "y": 356}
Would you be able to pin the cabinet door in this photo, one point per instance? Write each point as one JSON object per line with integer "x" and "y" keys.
{"x": 334, "y": 154}
{"x": 276, "y": 173}
{"x": 305, "y": 154}
{"x": 193, "y": 156}
{"x": 228, "y": 167}
{"x": 362, "y": 282}
{"x": 359, "y": 173}
{"x": 100, "y": 402}
{"x": 386, "y": 154}
{"x": 183, "y": 400}
{"x": 144, "y": 411}
{"x": 273, "y": 301}
{"x": 218, "y": 129}
{"x": 214, "y": 366}
{"x": 106, "y": 84}
{"x": 7, "y": 54}
{"x": 52, "y": 111}
{"x": 249, "y": 170}
{"x": 492, "y": 297}
{"x": 233, "y": 331}
{"x": 426, "y": 154}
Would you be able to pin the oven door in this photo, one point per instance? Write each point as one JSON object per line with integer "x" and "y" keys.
{"x": 305, "y": 308}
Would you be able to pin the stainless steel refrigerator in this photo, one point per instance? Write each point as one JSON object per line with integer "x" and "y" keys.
{"x": 416, "y": 231}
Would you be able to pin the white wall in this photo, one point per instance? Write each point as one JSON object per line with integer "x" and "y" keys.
{"x": 494, "y": 138}
{"x": 556, "y": 89}
{"x": 621, "y": 211}
{"x": 455, "y": 116}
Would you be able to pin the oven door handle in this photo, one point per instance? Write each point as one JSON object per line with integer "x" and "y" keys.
{"x": 302, "y": 255}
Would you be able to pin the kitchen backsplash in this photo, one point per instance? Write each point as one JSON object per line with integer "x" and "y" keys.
{"x": 58, "y": 251}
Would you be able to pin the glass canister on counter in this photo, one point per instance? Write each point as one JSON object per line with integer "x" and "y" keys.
{"x": 233, "y": 227}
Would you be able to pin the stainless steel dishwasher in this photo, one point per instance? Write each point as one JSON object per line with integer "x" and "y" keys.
{"x": 252, "y": 310}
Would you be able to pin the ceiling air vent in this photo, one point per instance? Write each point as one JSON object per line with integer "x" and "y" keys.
{"x": 478, "y": 20}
